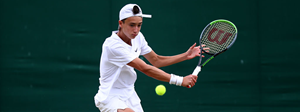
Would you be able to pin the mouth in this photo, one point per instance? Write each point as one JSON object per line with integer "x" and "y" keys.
{"x": 134, "y": 35}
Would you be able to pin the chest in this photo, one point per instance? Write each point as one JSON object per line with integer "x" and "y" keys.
{"x": 135, "y": 47}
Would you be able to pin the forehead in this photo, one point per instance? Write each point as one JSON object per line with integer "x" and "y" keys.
{"x": 134, "y": 19}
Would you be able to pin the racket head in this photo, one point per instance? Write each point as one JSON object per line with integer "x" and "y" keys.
{"x": 219, "y": 35}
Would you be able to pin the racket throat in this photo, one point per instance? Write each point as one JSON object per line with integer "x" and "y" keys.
{"x": 207, "y": 61}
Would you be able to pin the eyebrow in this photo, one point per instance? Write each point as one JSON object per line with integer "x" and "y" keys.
{"x": 136, "y": 23}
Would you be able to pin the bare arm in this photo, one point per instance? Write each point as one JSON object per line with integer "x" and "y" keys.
{"x": 161, "y": 61}
{"x": 158, "y": 74}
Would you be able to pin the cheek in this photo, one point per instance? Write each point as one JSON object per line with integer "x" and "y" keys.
{"x": 127, "y": 30}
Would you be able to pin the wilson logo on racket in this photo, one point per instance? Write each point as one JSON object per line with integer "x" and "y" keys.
{"x": 216, "y": 39}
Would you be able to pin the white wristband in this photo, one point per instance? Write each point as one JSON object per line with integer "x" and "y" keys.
{"x": 179, "y": 81}
{"x": 172, "y": 79}
{"x": 176, "y": 80}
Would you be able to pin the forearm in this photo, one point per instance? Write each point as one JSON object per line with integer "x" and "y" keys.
{"x": 156, "y": 73}
{"x": 159, "y": 74}
{"x": 150, "y": 70}
{"x": 162, "y": 61}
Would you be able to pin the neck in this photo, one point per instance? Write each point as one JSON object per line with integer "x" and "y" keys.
{"x": 124, "y": 37}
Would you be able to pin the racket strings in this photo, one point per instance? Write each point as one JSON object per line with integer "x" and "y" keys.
{"x": 218, "y": 36}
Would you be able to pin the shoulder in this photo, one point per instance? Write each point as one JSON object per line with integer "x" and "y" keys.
{"x": 114, "y": 47}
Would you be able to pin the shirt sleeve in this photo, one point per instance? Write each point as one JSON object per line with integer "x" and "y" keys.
{"x": 145, "y": 48}
{"x": 119, "y": 55}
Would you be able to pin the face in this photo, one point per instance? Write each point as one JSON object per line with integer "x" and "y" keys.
{"x": 131, "y": 26}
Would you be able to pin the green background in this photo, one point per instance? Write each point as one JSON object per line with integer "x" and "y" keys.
{"x": 50, "y": 52}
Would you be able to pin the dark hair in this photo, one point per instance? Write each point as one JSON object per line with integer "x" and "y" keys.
{"x": 135, "y": 10}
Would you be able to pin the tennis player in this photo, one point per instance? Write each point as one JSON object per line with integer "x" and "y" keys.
{"x": 119, "y": 58}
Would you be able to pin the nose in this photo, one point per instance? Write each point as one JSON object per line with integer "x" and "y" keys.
{"x": 136, "y": 29}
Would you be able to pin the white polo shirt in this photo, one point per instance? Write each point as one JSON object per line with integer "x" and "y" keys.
{"x": 116, "y": 77}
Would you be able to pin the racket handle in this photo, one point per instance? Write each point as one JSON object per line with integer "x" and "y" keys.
{"x": 196, "y": 70}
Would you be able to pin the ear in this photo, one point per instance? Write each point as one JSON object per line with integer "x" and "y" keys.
{"x": 120, "y": 24}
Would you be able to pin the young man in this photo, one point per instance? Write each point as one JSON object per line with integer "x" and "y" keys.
{"x": 120, "y": 56}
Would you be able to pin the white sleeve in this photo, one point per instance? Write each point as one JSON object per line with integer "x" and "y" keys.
{"x": 118, "y": 55}
{"x": 145, "y": 48}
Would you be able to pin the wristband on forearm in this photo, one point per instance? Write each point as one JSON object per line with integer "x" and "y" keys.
{"x": 176, "y": 80}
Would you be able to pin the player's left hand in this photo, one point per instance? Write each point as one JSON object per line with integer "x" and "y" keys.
{"x": 194, "y": 51}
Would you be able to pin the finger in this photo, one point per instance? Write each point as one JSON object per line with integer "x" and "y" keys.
{"x": 194, "y": 80}
{"x": 198, "y": 54}
{"x": 190, "y": 85}
{"x": 205, "y": 51}
{"x": 195, "y": 76}
{"x": 193, "y": 46}
{"x": 206, "y": 48}
{"x": 193, "y": 84}
{"x": 203, "y": 45}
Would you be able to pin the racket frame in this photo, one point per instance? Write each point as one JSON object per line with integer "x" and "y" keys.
{"x": 199, "y": 66}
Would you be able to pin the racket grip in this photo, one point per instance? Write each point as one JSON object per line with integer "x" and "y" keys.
{"x": 196, "y": 70}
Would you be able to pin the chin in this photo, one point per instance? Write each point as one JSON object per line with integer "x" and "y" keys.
{"x": 132, "y": 37}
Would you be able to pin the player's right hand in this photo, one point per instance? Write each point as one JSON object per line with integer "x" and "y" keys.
{"x": 189, "y": 81}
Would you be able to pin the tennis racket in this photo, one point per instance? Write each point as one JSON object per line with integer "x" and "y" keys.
{"x": 218, "y": 35}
